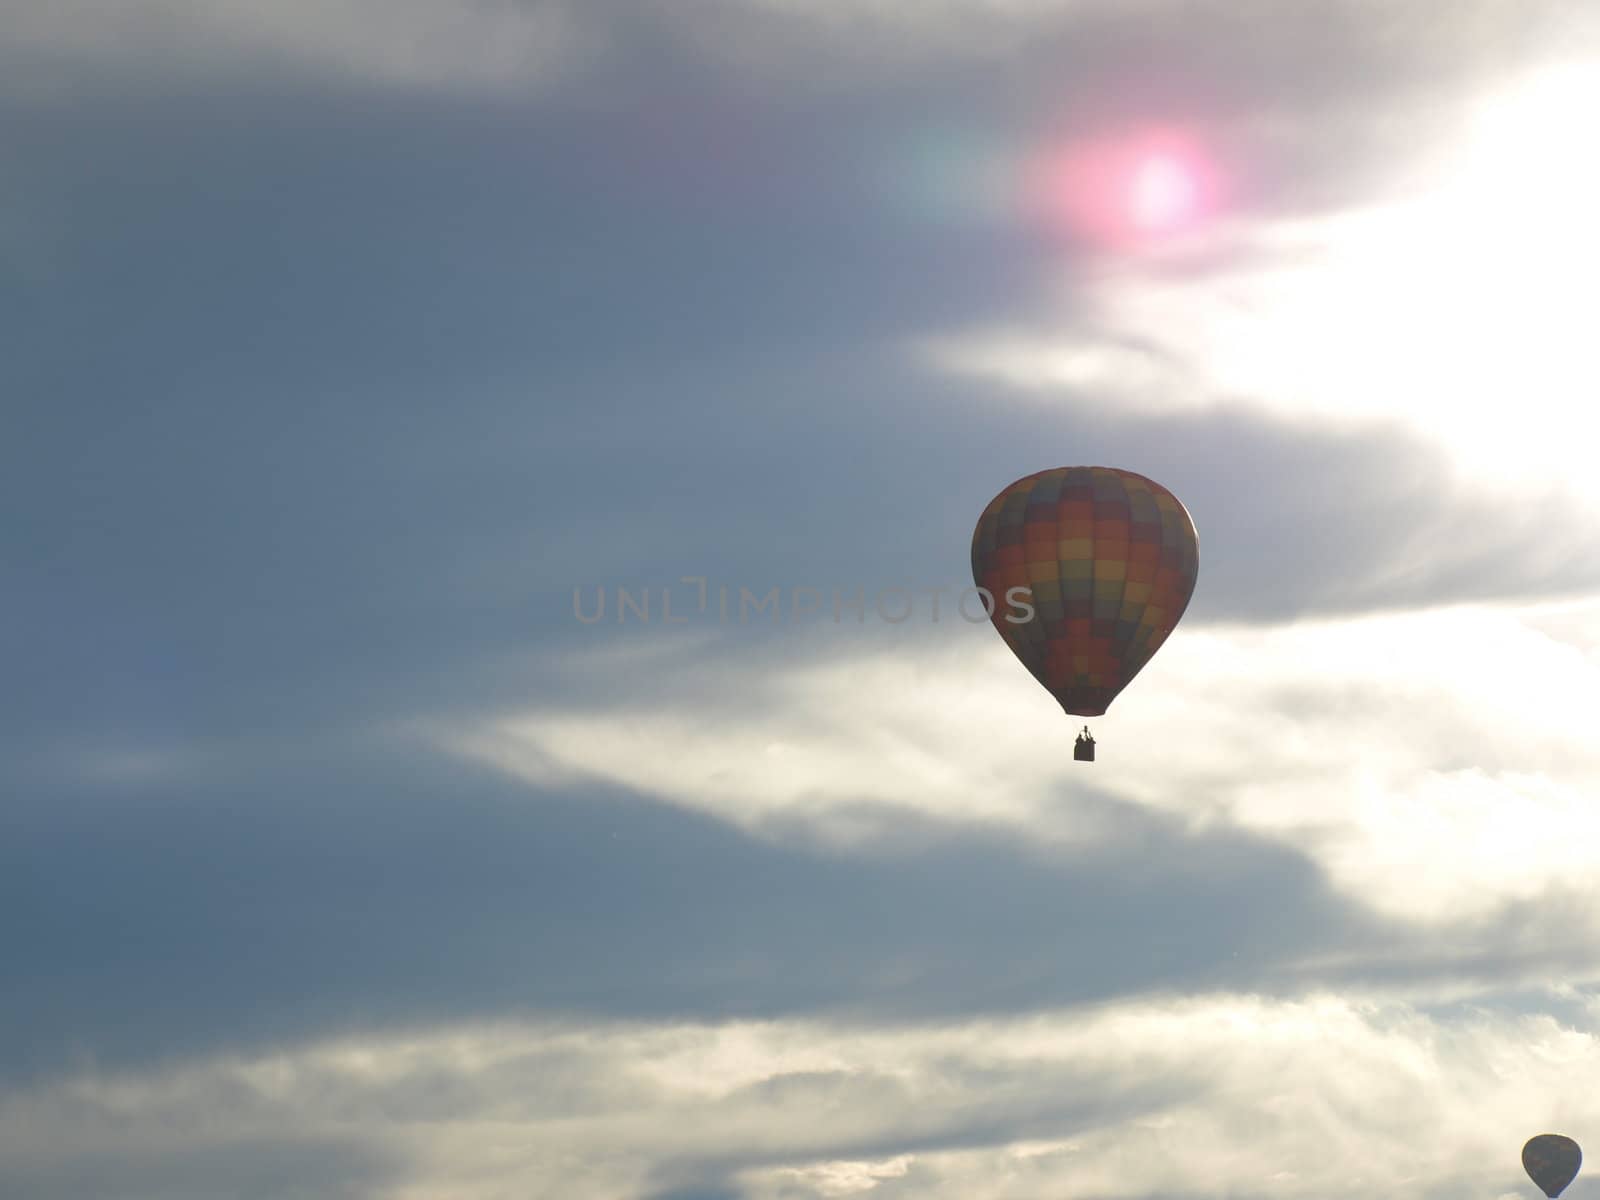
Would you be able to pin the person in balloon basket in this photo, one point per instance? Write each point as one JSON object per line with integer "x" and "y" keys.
{"x": 1083, "y": 749}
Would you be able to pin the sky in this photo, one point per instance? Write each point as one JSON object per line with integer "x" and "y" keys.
{"x": 355, "y": 349}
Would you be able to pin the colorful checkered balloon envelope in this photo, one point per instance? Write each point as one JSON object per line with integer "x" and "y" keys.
{"x": 1108, "y": 560}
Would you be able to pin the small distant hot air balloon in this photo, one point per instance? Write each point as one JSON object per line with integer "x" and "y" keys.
{"x": 1109, "y": 559}
{"x": 1552, "y": 1162}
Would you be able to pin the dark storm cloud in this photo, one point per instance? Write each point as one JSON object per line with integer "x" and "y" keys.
{"x": 332, "y": 381}
{"x": 380, "y": 890}
{"x": 328, "y": 403}
{"x": 327, "y": 400}
{"x": 322, "y": 396}
{"x": 256, "y": 1170}
{"x": 280, "y": 903}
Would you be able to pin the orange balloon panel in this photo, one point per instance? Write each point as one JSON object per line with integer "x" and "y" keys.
{"x": 1110, "y": 559}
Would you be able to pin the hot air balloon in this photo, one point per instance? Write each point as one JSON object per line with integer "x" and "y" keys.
{"x": 1552, "y": 1162}
{"x": 1108, "y": 559}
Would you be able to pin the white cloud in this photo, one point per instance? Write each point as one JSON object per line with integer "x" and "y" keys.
{"x": 1204, "y": 1095}
{"x": 814, "y": 742}
{"x": 1436, "y": 764}
{"x": 846, "y": 1177}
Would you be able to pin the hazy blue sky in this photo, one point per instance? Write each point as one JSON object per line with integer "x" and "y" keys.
{"x": 344, "y": 339}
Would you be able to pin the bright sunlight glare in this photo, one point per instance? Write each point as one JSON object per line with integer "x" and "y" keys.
{"x": 1124, "y": 188}
{"x": 1464, "y": 311}
{"x": 1163, "y": 193}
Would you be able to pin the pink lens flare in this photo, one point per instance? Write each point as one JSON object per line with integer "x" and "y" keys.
{"x": 1163, "y": 193}
{"x": 1118, "y": 191}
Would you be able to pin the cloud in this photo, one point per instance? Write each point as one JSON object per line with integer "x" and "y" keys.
{"x": 389, "y": 349}
{"x": 1206, "y": 1095}
{"x": 274, "y": 902}
{"x": 1430, "y": 784}
{"x": 1320, "y": 100}
{"x": 154, "y": 1166}
{"x": 349, "y": 341}
{"x": 89, "y": 45}
{"x": 1450, "y": 314}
